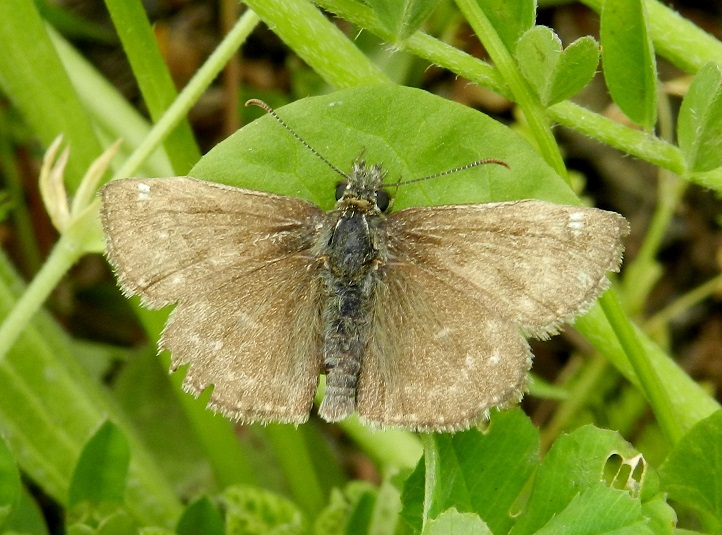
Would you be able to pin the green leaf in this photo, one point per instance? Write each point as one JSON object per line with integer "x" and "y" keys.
{"x": 349, "y": 510}
{"x": 510, "y": 18}
{"x": 599, "y": 509}
{"x": 254, "y": 511}
{"x": 50, "y": 406}
{"x": 628, "y": 60}
{"x": 699, "y": 128}
{"x": 27, "y": 518}
{"x": 587, "y": 467}
{"x": 411, "y": 132}
{"x": 102, "y": 470}
{"x": 481, "y": 473}
{"x": 403, "y": 18}
{"x": 691, "y": 473}
{"x": 556, "y": 74}
{"x": 201, "y": 517}
{"x": 9, "y": 484}
{"x": 576, "y": 68}
{"x": 452, "y": 522}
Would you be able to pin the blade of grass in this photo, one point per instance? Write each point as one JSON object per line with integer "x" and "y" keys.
{"x": 112, "y": 115}
{"x": 675, "y": 38}
{"x": 153, "y": 78}
{"x": 33, "y": 77}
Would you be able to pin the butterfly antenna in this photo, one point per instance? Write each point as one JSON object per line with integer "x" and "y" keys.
{"x": 477, "y": 163}
{"x": 272, "y": 113}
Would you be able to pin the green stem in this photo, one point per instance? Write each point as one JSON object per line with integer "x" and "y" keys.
{"x": 533, "y": 111}
{"x": 683, "y": 303}
{"x": 430, "y": 470}
{"x": 645, "y": 372}
{"x": 628, "y": 140}
{"x": 65, "y": 253}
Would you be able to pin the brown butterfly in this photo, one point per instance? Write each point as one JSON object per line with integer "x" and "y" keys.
{"x": 417, "y": 317}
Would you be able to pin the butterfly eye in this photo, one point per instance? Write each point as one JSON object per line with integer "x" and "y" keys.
{"x": 340, "y": 189}
{"x": 383, "y": 199}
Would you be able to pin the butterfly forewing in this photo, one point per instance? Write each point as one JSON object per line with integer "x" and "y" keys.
{"x": 238, "y": 264}
{"x": 533, "y": 263}
{"x": 167, "y": 237}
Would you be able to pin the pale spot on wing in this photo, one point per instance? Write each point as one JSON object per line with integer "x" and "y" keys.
{"x": 584, "y": 279}
{"x": 576, "y": 223}
{"x": 216, "y": 345}
{"x": 177, "y": 279}
{"x": 443, "y": 333}
{"x": 162, "y": 234}
{"x": 495, "y": 357}
{"x": 527, "y": 305}
{"x": 246, "y": 320}
{"x": 143, "y": 191}
{"x": 470, "y": 361}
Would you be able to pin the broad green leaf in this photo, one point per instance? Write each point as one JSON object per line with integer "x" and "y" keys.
{"x": 475, "y": 472}
{"x": 201, "y": 516}
{"x": 452, "y": 522}
{"x": 699, "y": 128}
{"x": 628, "y": 60}
{"x": 691, "y": 473}
{"x": 402, "y": 18}
{"x": 510, "y": 18}
{"x": 556, "y": 74}
{"x": 574, "y": 467}
{"x": 254, "y": 511}
{"x": 9, "y": 484}
{"x": 411, "y": 132}
{"x": 102, "y": 470}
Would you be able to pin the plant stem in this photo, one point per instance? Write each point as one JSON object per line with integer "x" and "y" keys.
{"x": 530, "y": 105}
{"x": 645, "y": 372}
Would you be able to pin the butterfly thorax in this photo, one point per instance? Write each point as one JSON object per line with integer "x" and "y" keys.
{"x": 350, "y": 260}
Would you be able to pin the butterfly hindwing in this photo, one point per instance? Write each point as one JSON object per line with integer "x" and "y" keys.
{"x": 437, "y": 360}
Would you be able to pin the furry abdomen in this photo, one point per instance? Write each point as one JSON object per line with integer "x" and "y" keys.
{"x": 349, "y": 274}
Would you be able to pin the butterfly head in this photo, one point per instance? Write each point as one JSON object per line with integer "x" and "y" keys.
{"x": 363, "y": 190}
